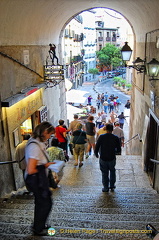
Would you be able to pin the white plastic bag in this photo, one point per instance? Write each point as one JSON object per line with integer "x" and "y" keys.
{"x": 58, "y": 166}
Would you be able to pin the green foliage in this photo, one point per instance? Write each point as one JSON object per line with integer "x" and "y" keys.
{"x": 128, "y": 85}
{"x": 109, "y": 55}
{"x": 117, "y": 79}
{"x": 93, "y": 71}
{"x": 123, "y": 82}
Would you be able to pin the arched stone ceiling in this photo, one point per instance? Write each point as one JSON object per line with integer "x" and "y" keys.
{"x": 37, "y": 22}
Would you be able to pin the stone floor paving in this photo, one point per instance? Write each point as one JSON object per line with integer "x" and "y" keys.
{"x": 82, "y": 211}
{"x": 129, "y": 172}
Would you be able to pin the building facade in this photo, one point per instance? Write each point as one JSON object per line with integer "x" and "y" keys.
{"x": 72, "y": 43}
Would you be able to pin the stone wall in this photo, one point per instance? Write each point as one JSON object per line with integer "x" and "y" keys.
{"x": 21, "y": 68}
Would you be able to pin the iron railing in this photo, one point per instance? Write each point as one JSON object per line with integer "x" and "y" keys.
{"x": 10, "y": 162}
{"x": 137, "y": 136}
{"x": 154, "y": 161}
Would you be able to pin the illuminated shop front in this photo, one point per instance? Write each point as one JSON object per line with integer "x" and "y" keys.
{"x": 26, "y": 127}
{"x": 21, "y": 113}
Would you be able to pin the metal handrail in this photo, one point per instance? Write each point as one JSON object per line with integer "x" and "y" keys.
{"x": 137, "y": 135}
{"x": 154, "y": 160}
{"x": 15, "y": 60}
{"x": 1, "y": 163}
{"x": 8, "y": 162}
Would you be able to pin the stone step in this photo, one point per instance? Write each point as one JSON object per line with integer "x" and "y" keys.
{"x": 82, "y": 211}
{"x": 121, "y": 231}
{"x": 93, "y": 190}
{"x": 76, "y": 216}
{"x": 136, "y": 210}
{"x": 111, "y": 198}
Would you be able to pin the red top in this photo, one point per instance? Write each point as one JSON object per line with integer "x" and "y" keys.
{"x": 59, "y": 133}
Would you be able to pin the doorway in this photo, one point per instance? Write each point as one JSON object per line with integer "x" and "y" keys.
{"x": 151, "y": 151}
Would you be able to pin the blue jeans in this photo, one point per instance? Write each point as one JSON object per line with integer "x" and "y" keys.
{"x": 105, "y": 109}
{"x": 108, "y": 173}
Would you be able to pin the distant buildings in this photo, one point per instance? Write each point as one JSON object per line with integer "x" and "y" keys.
{"x": 87, "y": 33}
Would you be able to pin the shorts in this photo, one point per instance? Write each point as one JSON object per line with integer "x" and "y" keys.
{"x": 91, "y": 139}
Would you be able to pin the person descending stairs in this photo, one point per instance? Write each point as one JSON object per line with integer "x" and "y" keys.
{"x": 82, "y": 211}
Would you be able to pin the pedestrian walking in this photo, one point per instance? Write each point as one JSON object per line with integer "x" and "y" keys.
{"x": 113, "y": 117}
{"x": 89, "y": 100}
{"x": 90, "y": 132}
{"x": 79, "y": 141}
{"x": 73, "y": 127}
{"x": 107, "y": 145}
{"x": 102, "y": 99}
{"x": 111, "y": 106}
{"x": 60, "y": 134}
{"x": 119, "y": 133}
{"x": 106, "y": 96}
{"x": 127, "y": 105}
{"x": 102, "y": 130}
{"x": 118, "y": 103}
{"x": 98, "y": 102}
{"x": 105, "y": 105}
{"x": 98, "y": 120}
{"x": 121, "y": 119}
{"x": 103, "y": 116}
{"x": 36, "y": 175}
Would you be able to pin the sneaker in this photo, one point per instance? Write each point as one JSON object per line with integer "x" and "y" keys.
{"x": 87, "y": 156}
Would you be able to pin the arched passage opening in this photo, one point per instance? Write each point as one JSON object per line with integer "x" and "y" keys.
{"x": 107, "y": 15}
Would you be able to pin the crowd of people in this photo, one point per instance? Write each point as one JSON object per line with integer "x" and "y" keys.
{"x": 108, "y": 103}
{"x": 101, "y": 135}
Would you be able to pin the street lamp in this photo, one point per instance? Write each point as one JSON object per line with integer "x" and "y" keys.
{"x": 151, "y": 68}
{"x": 126, "y": 52}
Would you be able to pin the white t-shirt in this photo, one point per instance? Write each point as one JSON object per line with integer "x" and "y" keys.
{"x": 35, "y": 151}
{"x": 118, "y": 132}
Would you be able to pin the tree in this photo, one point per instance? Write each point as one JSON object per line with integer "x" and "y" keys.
{"x": 109, "y": 56}
{"x": 93, "y": 71}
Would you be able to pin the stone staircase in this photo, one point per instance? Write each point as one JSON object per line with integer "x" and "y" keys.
{"x": 82, "y": 211}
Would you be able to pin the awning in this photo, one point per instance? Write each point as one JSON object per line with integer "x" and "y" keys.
{"x": 76, "y": 96}
{"x": 19, "y": 96}
{"x": 68, "y": 84}
{"x": 71, "y": 110}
